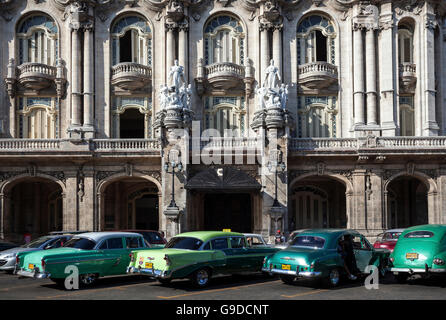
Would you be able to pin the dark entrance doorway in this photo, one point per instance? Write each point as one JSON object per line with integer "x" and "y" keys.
{"x": 131, "y": 124}
{"x": 146, "y": 212}
{"x": 228, "y": 211}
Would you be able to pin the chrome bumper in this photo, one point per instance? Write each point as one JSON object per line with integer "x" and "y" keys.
{"x": 150, "y": 272}
{"x": 303, "y": 274}
{"x": 32, "y": 274}
{"x": 418, "y": 270}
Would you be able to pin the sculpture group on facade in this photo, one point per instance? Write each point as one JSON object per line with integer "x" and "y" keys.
{"x": 271, "y": 94}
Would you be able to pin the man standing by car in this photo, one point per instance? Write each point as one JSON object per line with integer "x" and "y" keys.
{"x": 345, "y": 249}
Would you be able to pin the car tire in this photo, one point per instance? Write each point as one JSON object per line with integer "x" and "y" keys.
{"x": 333, "y": 279}
{"x": 201, "y": 278}
{"x": 401, "y": 277}
{"x": 87, "y": 279}
{"x": 164, "y": 281}
{"x": 287, "y": 279}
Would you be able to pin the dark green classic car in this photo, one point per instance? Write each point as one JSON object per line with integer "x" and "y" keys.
{"x": 421, "y": 250}
{"x": 314, "y": 254}
{"x": 199, "y": 256}
{"x": 95, "y": 254}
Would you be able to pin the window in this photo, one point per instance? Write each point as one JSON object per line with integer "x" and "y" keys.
{"x": 225, "y": 113}
{"x": 132, "y": 41}
{"x": 207, "y": 246}
{"x": 114, "y": 243}
{"x": 407, "y": 115}
{"x": 224, "y": 40}
{"x": 134, "y": 242}
{"x": 37, "y": 40}
{"x": 360, "y": 243}
{"x": 419, "y": 234}
{"x": 316, "y": 40}
{"x": 309, "y": 241}
{"x": 317, "y": 116}
{"x": 254, "y": 241}
{"x": 405, "y": 44}
{"x": 184, "y": 243}
{"x": 237, "y": 242}
{"x": 80, "y": 243}
{"x": 103, "y": 245}
{"x": 220, "y": 244}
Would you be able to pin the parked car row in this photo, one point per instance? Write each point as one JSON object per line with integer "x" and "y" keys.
{"x": 203, "y": 255}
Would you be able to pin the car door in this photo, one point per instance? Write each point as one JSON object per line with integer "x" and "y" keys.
{"x": 362, "y": 250}
{"x": 222, "y": 244}
{"x": 239, "y": 254}
{"x": 116, "y": 261}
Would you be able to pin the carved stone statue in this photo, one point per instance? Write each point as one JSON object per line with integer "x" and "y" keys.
{"x": 176, "y": 74}
{"x": 283, "y": 95}
{"x": 272, "y": 76}
{"x": 164, "y": 96}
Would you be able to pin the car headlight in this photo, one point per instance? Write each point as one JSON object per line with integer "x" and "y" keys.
{"x": 438, "y": 261}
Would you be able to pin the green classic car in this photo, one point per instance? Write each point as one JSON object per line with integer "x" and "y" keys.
{"x": 314, "y": 254}
{"x": 199, "y": 256}
{"x": 420, "y": 249}
{"x": 95, "y": 254}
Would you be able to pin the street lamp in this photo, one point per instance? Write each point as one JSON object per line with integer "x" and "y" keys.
{"x": 276, "y": 166}
{"x": 174, "y": 164}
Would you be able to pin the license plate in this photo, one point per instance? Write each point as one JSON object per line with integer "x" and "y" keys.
{"x": 31, "y": 266}
{"x": 149, "y": 265}
{"x": 286, "y": 267}
{"x": 411, "y": 255}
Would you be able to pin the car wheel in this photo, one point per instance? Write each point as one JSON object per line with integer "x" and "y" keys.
{"x": 287, "y": 279}
{"x": 334, "y": 278}
{"x": 201, "y": 278}
{"x": 401, "y": 277}
{"x": 164, "y": 281}
{"x": 87, "y": 279}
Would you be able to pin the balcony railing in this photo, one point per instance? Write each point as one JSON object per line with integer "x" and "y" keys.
{"x": 317, "y": 75}
{"x": 131, "y": 76}
{"x": 318, "y": 67}
{"x": 134, "y": 145}
{"x": 408, "y": 68}
{"x": 130, "y": 67}
{"x": 37, "y": 68}
{"x": 220, "y": 143}
{"x": 30, "y": 144}
{"x": 224, "y": 68}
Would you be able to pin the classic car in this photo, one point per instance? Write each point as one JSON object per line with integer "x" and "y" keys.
{"x": 314, "y": 254}
{"x": 95, "y": 254}
{"x": 388, "y": 239}
{"x": 154, "y": 238}
{"x": 420, "y": 249}
{"x": 199, "y": 256}
{"x": 8, "y": 257}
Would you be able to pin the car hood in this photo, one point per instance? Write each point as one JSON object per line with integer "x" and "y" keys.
{"x": 17, "y": 250}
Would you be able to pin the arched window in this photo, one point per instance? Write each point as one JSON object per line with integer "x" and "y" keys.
{"x": 36, "y": 118}
{"x": 37, "y": 40}
{"x": 132, "y": 117}
{"x": 224, "y": 40}
{"x": 405, "y": 44}
{"x": 316, "y": 40}
{"x": 222, "y": 113}
{"x": 132, "y": 41}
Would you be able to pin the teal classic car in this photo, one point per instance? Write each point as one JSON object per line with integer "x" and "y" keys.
{"x": 95, "y": 254}
{"x": 199, "y": 256}
{"x": 314, "y": 254}
{"x": 421, "y": 250}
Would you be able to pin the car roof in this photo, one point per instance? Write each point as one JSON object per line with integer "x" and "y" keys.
{"x": 252, "y": 235}
{"x": 98, "y": 236}
{"x": 206, "y": 235}
{"x": 138, "y": 230}
{"x": 438, "y": 229}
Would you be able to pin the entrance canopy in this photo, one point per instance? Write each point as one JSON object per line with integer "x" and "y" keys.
{"x": 222, "y": 178}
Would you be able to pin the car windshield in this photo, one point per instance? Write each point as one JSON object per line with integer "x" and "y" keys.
{"x": 419, "y": 234}
{"x": 308, "y": 242}
{"x": 184, "y": 243}
{"x": 153, "y": 237}
{"x": 80, "y": 243}
{"x": 391, "y": 236}
{"x": 37, "y": 242}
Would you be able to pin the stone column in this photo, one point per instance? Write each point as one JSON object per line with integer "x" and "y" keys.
{"x": 277, "y": 47}
{"x": 88, "y": 78}
{"x": 264, "y": 51}
{"x": 76, "y": 78}
{"x": 70, "y": 205}
{"x": 170, "y": 49}
{"x": 430, "y": 126}
{"x": 371, "y": 76}
{"x": 358, "y": 81}
{"x": 388, "y": 71}
{"x": 182, "y": 49}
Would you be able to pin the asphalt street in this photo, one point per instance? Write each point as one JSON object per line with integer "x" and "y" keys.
{"x": 242, "y": 287}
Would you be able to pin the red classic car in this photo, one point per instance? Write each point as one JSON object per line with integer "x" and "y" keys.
{"x": 388, "y": 239}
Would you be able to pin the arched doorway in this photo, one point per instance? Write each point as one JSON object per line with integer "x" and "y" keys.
{"x": 317, "y": 202}
{"x": 406, "y": 202}
{"x": 130, "y": 203}
{"x": 131, "y": 124}
{"x": 33, "y": 205}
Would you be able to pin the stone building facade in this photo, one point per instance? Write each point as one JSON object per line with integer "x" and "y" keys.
{"x": 355, "y": 137}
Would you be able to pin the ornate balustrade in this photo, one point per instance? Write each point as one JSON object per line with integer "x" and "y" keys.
{"x": 133, "y": 145}
{"x": 317, "y": 75}
{"x": 131, "y": 76}
{"x": 36, "y": 76}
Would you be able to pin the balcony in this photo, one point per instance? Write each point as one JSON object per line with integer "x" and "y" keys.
{"x": 408, "y": 77}
{"x": 36, "y": 76}
{"x": 129, "y": 76}
{"x": 317, "y": 75}
{"x": 224, "y": 78}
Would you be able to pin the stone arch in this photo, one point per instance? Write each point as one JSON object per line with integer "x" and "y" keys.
{"x": 347, "y": 183}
